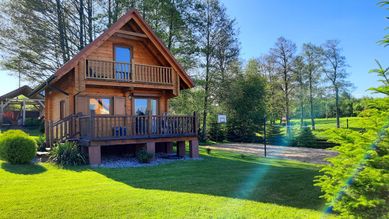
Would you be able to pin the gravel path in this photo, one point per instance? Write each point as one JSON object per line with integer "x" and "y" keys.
{"x": 309, "y": 155}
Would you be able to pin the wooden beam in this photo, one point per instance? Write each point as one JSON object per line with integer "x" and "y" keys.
{"x": 119, "y": 35}
{"x": 130, "y": 33}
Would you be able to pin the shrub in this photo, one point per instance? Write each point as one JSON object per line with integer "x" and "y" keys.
{"x": 209, "y": 150}
{"x": 67, "y": 153}
{"x": 17, "y": 147}
{"x": 41, "y": 143}
{"x": 356, "y": 183}
{"x": 305, "y": 138}
{"x": 143, "y": 156}
{"x": 217, "y": 132}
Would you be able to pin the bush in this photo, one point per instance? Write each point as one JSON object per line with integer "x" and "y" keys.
{"x": 305, "y": 138}
{"x": 356, "y": 183}
{"x": 17, "y": 147}
{"x": 217, "y": 132}
{"x": 143, "y": 156}
{"x": 67, "y": 153}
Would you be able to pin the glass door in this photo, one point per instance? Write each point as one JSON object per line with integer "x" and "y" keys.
{"x": 122, "y": 63}
{"x": 143, "y": 107}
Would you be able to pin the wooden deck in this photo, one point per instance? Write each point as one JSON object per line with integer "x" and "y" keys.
{"x": 120, "y": 129}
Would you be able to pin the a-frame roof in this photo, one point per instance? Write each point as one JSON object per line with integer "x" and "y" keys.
{"x": 155, "y": 40}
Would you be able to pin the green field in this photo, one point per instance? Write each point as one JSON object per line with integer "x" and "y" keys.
{"x": 327, "y": 123}
{"x": 222, "y": 185}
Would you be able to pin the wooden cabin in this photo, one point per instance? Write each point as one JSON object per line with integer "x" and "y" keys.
{"x": 115, "y": 92}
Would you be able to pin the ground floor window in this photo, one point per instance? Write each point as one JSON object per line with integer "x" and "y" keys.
{"x": 101, "y": 105}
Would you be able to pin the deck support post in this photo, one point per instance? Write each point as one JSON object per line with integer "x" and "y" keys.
{"x": 194, "y": 148}
{"x": 181, "y": 148}
{"x": 94, "y": 153}
{"x": 169, "y": 147}
{"x": 150, "y": 148}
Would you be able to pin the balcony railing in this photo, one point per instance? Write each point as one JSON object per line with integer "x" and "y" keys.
{"x": 117, "y": 127}
{"x": 126, "y": 72}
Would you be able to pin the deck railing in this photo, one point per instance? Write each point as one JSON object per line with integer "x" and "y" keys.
{"x": 121, "y": 71}
{"x": 111, "y": 127}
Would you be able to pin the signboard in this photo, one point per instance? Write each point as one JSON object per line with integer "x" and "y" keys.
{"x": 221, "y": 118}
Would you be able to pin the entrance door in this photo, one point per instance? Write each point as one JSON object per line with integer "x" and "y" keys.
{"x": 142, "y": 107}
{"x": 122, "y": 63}
{"x": 145, "y": 106}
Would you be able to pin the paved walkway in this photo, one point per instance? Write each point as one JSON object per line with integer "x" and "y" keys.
{"x": 310, "y": 155}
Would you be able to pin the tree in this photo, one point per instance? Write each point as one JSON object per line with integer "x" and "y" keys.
{"x": 335, "y": 71}
{"x": 301, "y": 79}
{"x": 313, "y": 65}
{"x": 246, "y": 104}
{"x": 210, "y": 19}
{"x": 273, "y": 94}
{"x": 284, "y": 56}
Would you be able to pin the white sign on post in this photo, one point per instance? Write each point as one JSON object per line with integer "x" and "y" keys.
{"x": 221, "y": 118}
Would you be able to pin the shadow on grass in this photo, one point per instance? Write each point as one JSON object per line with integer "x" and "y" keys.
{"x": 271, "y": 181}
{"x": 25, "y": 169}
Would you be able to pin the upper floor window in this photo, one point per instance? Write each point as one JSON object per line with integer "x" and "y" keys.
{"x": 122, "y": 63}
{"x": 122, "y": 54}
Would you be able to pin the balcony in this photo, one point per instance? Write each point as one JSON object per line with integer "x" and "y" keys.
{"x": 126, "y": 72}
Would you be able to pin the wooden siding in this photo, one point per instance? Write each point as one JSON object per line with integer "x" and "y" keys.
{"x": 139, "y": 52}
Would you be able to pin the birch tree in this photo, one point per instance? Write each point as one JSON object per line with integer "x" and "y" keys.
{"x": 284, "y": 56}
{"x": 335, "y": 71}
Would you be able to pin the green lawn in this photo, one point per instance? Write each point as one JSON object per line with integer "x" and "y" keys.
{"x": 323, "y": 123}
{"x": 222, "y": 185}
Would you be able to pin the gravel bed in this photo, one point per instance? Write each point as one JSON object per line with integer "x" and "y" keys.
{"x": 124, "y": 162}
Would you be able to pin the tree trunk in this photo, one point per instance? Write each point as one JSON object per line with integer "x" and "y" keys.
{"x": 311, "y": 104}
{"x": 109, "y": 13}
{"x": 337, "y": 107}
{"x": 61, "y": 31}
{"x": 286, "y": 101}
{"x": 207, "y": 57}
{"x": 81, "y": 14}
{"x": 171, "y": 25}
{"x": 90, "y": 21}
{"x": 302, "y": 112}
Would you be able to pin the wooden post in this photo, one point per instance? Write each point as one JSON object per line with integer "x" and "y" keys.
{"x": 347, "y": 123}
{"x": 51, "y": 133}
{"x": 150, "y": 124}
{"x": 195, "y": 127}
{"x": 24, "y": 113}
{"x": 133, "y": 72}
{"x": 92, "y": 124}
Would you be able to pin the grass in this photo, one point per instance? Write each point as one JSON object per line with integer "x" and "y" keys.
{"x": 327, "y": 123}
{"x": 222, "y": 185}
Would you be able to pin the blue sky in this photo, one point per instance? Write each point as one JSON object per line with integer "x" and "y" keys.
{"x": 358, "y": 24}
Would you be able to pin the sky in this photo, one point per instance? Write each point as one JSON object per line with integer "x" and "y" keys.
{"x": 358, "y": 24}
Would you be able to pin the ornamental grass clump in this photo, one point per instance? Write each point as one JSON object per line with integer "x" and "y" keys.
{"x": 67, "y": 154}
